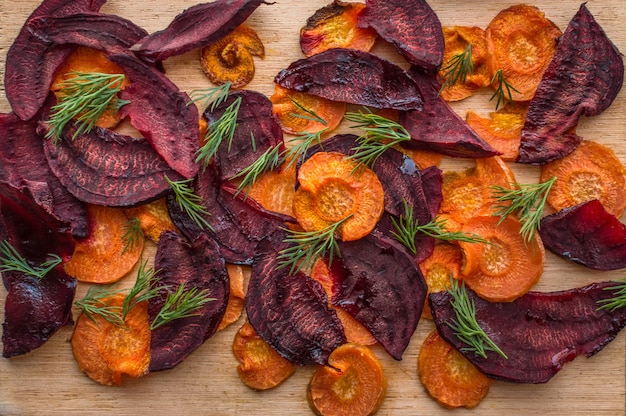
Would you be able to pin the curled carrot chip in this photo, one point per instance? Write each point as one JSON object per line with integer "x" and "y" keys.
{"x": 106, "y": 351}
{"x": 502, "y": 130}
{"x": 591, "y": 171}
{"x": 521, "y": 42}
{"x": 274, "y": 190}
{"x": 352, "y": 384}
{"x": 335, "y": 26}
{"x": 298, "y": 112}
{"x": 236, "y": 296}
{"x": 86, "y": 60}
{"x": 456, "y": 40}
{"x": 444, "y": 263}
{"x": 448, "y": 376}
{"x": 231, "y": 59}
{"x": 154, "y": 218}
{"x": 260, "y": 366}
{"x": 105, "y": 255}
{"x": 506, "y": 267}
{"x": 333, "y": 188}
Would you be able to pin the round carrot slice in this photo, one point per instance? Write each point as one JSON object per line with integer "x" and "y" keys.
{"x": 231, "y": 59}
{"x": 106, "y": 351}
{"x": 104, "y": 256}
{"x": 333, "y": 188}
{"x": 443, "y": 264}
{"x": 299, "y": 112}
{"x": 521, "y": 42}
{"x": 591, "y": 171}
{"x": 154, "y": 218}
{"x": 274, "y": 190}
{"x": 260, "y": 366}
{"x": 353, "y": 383}
{"x": 505, "y": 268}
{"x": 448, "y": 376}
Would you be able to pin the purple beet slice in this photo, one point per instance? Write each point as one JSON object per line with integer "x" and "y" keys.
{"x": 539, "y": 332}
{"x": 257, "y": 130}
{"x": 195, "y": 27}
{"x": 290, "y": 311}
{"x": 380, "y": 285}
{"x": 24, "y": 167}
{"x": 31, "y": 62}
{"x": 197, "y": 265}
{"x": 411, "y": 26}
{"x": 586, "y": 234}
{"x": 438, "y": 128}
{"x": 160, "y": 111}
{"x": 352, "y": 76}
{"x": 583, "y": 78}
{"x": 103, "y": 167}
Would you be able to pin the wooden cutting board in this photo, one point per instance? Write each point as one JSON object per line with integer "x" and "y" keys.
{"x": 47, "y": 380}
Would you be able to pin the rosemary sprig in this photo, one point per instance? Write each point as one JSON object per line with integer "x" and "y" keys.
{"x": 85, "y": 97}
{"x": 527, "y": 201}
{"x": 133, "y": 234}
{"x": 309, "y": 245}
{"x": 619, "y": 297}
{"x": 141, "y": 290}
{"x": 189, "y": 202}
{"x": 504, "y": 91}
{"x": 380, "y": 134}
{"x": 179, "y": 304}
{"x": 221, "y": 129}
{"x": 458, "y": 68}
{"x": 210, "y": 97}
{"x": 407, "y": 228}
{"x": 465, "y": 326}
{"x": 268, "y": 161}
{"x": 94, "y": 303}
{"x": 12, "y": 260}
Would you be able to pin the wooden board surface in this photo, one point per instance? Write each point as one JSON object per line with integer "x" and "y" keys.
{"x": 47, "y": 380}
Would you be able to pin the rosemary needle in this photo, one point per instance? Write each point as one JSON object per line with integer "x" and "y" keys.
{"x": 11, "y": 260}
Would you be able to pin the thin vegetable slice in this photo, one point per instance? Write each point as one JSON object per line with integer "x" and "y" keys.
{"x": 260, "y": 366}
{"x": 102, "y": 256}
{"x": 521, "y": 42}
{"x": 335, "y": 26}
{"x": 448, "y": 376}
{"x": 583, "y": 78}
{"x": 506, "y": 267}
{"x": 443, "y": 264}
{"x": 353, "y": 383}
{"x": 236, "y": 296}
{"x": 154, "y": 218}
{"x": 105, "y": 351}
{"x": 274, "y": 190}
{"x": 231, "y": 59}
{"x": 592, "y": 171}
{"x": 332, "y": 188}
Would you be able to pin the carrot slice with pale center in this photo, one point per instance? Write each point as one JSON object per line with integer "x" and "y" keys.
{"x": 444, "y": 263}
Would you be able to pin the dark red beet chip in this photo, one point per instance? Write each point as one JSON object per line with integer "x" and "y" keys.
{"x": 24, "y": 167}
{"x": 352, "y": 76}
{"x": 196, "y": 27}
{"x": 377, "y": 283}
{"x": 539, "y": 332}
{"x": 411, "y": 26}
{"x": 583, "y": 78}
{"x": 290, "y": 311}
{"x": 198, "y": 265}
{"x": 586, "y": 234}
{"x": 438, "y": 128}
{"x": 103, "y": 167}
{"x": 160, "y": 111}
{"x": 31, "y": 62}
{"x": 257, "y": 130}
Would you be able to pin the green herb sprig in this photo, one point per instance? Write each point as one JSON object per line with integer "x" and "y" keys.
{"x": 141, "y": 290}
{"x": 308, "y": 113}
{"x": 190, "y": 202}
{"x": 221, "y": 129}
{"x": 12, "y": 260}
{"x": 210, "y": 97}
{"x": 618, "y": 300}
{"x": 270, "y": 159}
{"x": 133, "y": 234}
{"x": 504, "y": 90}
{"x": 181, "y": 303}
{"x": 458, "y": 68}
{"x": 97, "y": 301}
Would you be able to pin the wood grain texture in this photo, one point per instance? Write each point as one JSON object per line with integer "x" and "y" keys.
{"x": 47, "y": 380}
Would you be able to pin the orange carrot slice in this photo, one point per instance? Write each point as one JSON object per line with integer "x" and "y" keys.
{"x": 592, "y": 171}
{"x": 507, "y": 267}
{"x": 236, "y": 296}
{"x": 154, "y": 218}
{"x": 444, "y": 263}
{"x": 353, "y": 383}
{"x": 274, "y": 190}
{"x": 448, "y": 376}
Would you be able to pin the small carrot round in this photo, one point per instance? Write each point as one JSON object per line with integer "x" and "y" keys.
{"x": 448, "y": 376}
{"x": 154, "y": 218}
{"x": 274, "y": 190}
{"x": 236, "y": 296}
{"x": 352, "y": 384}
{"x": 444, "y": 263}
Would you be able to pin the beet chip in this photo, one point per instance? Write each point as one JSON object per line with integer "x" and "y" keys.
{"x": 200, "y": 266}
{"x": 539, "y": 332}
{"x": 583, "y": 78}
{"x": 586, "y": 234}
{"x": 411, "y": 26}
{"x": 352, "y": 76}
